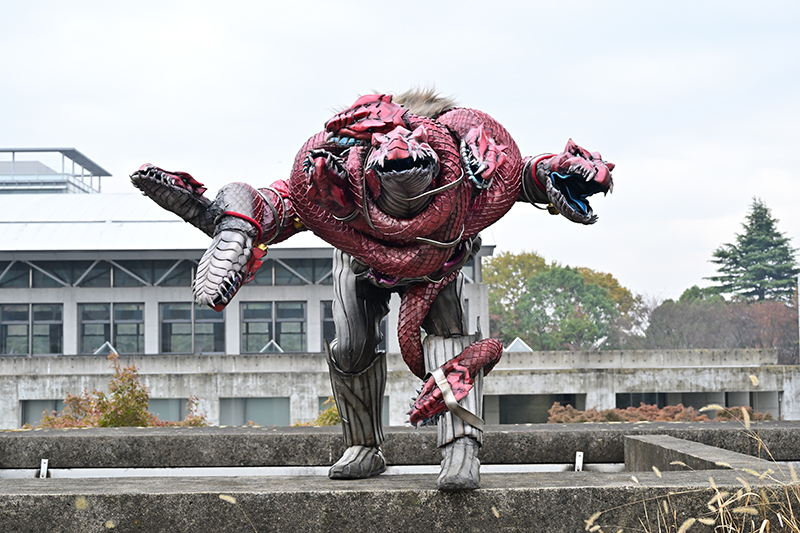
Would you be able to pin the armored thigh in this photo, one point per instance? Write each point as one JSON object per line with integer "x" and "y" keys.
{"x": 358, "y": 309}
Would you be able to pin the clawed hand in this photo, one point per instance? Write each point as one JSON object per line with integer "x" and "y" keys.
{"x": 481, "y": 156}
{"x": 328, "y": 182}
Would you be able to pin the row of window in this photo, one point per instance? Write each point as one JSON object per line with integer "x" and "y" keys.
{"x": 232, "y": 411}
{"x": 159, "y": 273}
{"x": 185, "y": 328}
{"x": 150, "y": 273}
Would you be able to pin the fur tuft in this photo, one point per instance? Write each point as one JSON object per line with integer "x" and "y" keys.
{"x": 424, "y": 102}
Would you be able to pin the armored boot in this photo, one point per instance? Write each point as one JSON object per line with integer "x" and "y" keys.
{"x": 459, "y": 440}
{"x": 359, "y": 399}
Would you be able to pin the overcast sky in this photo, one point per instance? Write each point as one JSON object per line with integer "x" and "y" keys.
{"x": 697, "y": 103}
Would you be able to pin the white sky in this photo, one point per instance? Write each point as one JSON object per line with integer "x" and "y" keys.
{"x": 697, "y": 103}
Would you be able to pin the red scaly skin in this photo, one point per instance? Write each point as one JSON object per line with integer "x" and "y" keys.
{"x": 414, "y": 307}
{"x": 460, "y": 373}
{"x": 491, "y": 204}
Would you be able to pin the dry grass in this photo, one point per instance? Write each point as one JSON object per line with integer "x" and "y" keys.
{"x": 766, "y": 501}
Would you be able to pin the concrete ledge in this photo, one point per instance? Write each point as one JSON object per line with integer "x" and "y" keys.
{"x": 643, "y": 452}
{"x": 513, "y": 502}
{"x": 308, "y": 446}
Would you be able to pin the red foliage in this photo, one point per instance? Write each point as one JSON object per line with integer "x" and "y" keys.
{"x": 124, "y": 406}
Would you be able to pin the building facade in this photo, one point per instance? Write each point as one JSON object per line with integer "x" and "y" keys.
{"x": 82, "y": 272}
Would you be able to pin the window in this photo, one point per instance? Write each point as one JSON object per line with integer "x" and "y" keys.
{"x": 257, "y": 328}
{"x": 129, "y": 328}
{"x": 281, "y": 322}
{"x": 169, "y": 409}
{"x": 329, "y": 330}
{"x": 160, "y": 273}
{"x": 261, "y": 411}
{"x": 111, "y": 273}
{"x": 46, "y": 329}
{"x": 46, "y": 274}
{"x": 469, "y": 270}
{"x": 189, "y": 328}
{"x": 14, "y": 275}
{"x": 209, "y": 330}
{"x": 126, "y": 335}
{"x": 328, "y": 327}
{"x": 33, "y": 410}
{"x": 14, "y": 329}
{"x": 295, "y": 272}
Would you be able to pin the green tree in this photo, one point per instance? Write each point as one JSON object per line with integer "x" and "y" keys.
{"x": 562, "y": 311}
{"x": 761, "y": 265}
{"x": 507, "y": 276}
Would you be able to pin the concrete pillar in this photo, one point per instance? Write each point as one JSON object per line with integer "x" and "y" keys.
{"x": 232, "y": 325}
{"x": 151, "y": 323}
{"x": 601, "y": 399}
{"x": 10, "y": 412}
{"x": 314, "y": 322}
{"x": 766, "y": 402}
{"x": 491, "y": 409}
{"x": 209, "y": 402}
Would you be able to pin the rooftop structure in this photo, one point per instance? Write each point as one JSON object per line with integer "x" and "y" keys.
{"x": 20, "y": 174}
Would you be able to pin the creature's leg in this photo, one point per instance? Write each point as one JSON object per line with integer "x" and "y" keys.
{"x": 458, "y": 439}
{"x": 357, "y": 370}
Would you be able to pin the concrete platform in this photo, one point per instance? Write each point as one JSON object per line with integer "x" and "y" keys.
{"x": 308, "y": 446}
{"x": 545, "y": 501}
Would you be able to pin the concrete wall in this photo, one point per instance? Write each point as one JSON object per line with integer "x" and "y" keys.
{"x": 303, "y": 379}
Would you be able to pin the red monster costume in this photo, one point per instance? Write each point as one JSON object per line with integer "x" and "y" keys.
{"x": 401, "y": 187}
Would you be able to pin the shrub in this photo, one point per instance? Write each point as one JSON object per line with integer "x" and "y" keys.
{"x": 328, "y": 417}
{"x": 567, "y": 414}
{"x": 125, "y": 405}
{"x": 671, "y": 413}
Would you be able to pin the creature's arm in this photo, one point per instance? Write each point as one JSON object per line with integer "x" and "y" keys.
{"x": 241, "y": 220}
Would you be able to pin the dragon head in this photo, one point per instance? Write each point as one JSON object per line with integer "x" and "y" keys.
{"x": 571, "y": 177}
{"x": 401, "y": 160}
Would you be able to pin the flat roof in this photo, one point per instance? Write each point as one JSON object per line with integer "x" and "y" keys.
{"x": 116, "y": 222}
{"x": 71, "y": 153}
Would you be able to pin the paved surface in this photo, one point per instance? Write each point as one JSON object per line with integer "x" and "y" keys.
{"x": 512, "y": 502}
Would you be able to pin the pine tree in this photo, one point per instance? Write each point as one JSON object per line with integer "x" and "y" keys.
{"x": 761, "y": 265}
